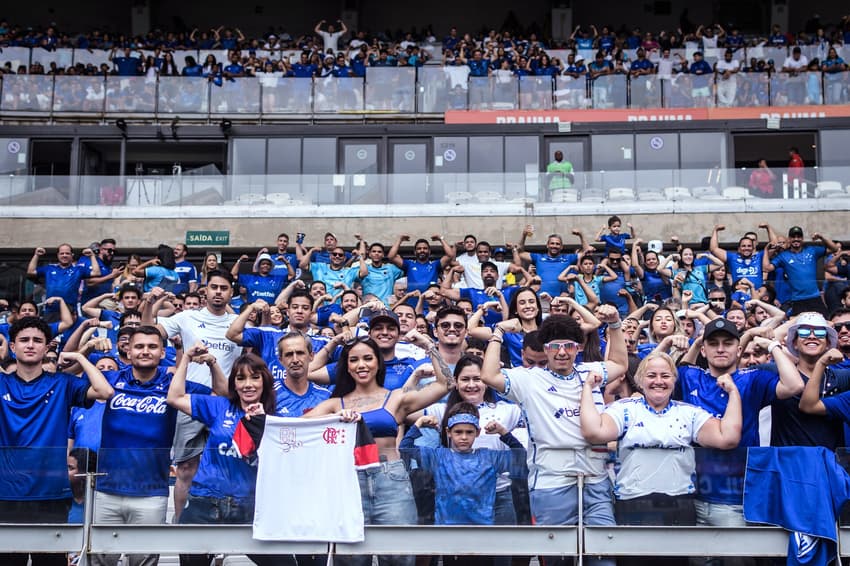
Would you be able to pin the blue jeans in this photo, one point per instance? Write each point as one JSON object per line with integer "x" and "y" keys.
{"x": 227, "y": 511}
{"x": 387, "y": 499}
{"x": 559, "y": 506}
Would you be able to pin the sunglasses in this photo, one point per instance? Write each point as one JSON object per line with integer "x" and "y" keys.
{"x": 568, "y": 345}
{"x": 337, "y": 254}
{"x": 806, "y": 332}
{"x": 451, "y": 325}
{"x": 839, "y": 325}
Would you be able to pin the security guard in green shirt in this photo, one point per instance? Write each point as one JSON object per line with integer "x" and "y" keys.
{"x": 560, "y": 173}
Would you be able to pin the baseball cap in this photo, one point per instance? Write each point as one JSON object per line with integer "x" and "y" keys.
{"x": 500, "y": 250}
{"x": 718, "y": 326}
{"x": 264, "y": 257}
{"x": 489, "y": 264}
{"x": 655, "y": 246}
{"x": 795, "y": 231}
{"x": 814, "y": 320}
{"x": 383, "y": 315}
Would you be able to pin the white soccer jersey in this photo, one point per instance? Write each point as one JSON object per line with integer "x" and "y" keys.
{"x": 305, "y": 452}
{"x": 203, "y": 326}
{"x": 655, "y": 449}
{"x": 557, "y": 451}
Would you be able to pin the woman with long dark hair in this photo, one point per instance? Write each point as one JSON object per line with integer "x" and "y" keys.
{"x": 223, "y": 489}
{"x": 386, "y": 491}
{"x": 525, "y": 314}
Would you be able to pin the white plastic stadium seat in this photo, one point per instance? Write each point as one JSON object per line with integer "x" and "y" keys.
{"x": 279, "y": 198}
{"x": 827, "y": 189}
{"x": 489, "y": 196}
{"x": 621, "y": 193}
{"x": 250, "y": 198}
{"x": 564, "y": 195}
{"x": 650, "y": 193}
{"x": 459, "y": 197}
{"x": 707, "y": 192}
{"x": 677, "y": 193}
{"x": 736, "y": 192}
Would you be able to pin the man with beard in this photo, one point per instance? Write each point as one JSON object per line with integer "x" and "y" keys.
{"x": 422, "y": 270}
{"x": 208, "y": 325}
{"x": 61, "y": 279}
{"x": 479, "y": 296}
{"x": 720, "y": 473}
{"x": 840, "y": 320}
{"x": 799, "y": 263}
{"x": 98, "y": 285}
{"x": 746, "y": 262}
{"x": 550, "y": 264}
{"x": 808, "y": 338}
{"x": 329, "y": 273}
{"x": 137, "y": 433}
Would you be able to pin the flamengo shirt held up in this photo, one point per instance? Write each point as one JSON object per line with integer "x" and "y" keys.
{"x": 321, "y": 452}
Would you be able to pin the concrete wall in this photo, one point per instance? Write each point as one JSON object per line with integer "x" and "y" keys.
{"x": 253, "y": 233}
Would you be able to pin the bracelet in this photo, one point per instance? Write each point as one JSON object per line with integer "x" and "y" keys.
{"x": 772, "y": 346}
{"x": 615, "y": 325}
{"x": 495, "y": 339}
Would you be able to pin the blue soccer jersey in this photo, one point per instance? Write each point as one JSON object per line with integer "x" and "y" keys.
{"x": 548, "y": 268}
{"x": 261, "y": 287}
{"x": 63, "y": 281}
{"x": 420, "y": 275}
{"x": 137, "y": 434}
{"x": 34, "y": 420}
{"x": 222, "y": 471}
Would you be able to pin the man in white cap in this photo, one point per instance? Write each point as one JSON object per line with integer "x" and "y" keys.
{"x": 808, "y": 338}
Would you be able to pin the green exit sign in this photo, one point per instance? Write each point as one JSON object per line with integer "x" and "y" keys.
{"x": 207, "y": 238}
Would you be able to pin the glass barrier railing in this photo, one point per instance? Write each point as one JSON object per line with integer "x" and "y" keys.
{"x": 426, "y": 90}
{"x": 662, "y": 186}
{"x": 651, "y": 486}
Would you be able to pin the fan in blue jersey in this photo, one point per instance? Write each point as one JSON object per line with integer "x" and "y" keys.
{"x": 655, "y": 436}
{"x": 720, "y": 473}
{"x": 62, "y": 279}
{"x": 800, "y": 264}
{"x": 422, "y": 270}
{"x": 34, "y": 415}
{"x": 465, "y": 477}
{"x": 261, "y": 285}
{"x": 746, "y": 263}
{"x": 185, "y": 269}
{"x": 222, "y": 491}
{"x": 136, "y": 437}
{"x": 296, "y": 395}
{"x": 552, "y": 263}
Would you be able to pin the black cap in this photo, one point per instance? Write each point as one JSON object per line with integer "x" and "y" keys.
{"x": 720, "y": 325}
{"x": 795, "y": 231}
{"x": 489, "y": 264}
{"x": 385, "y": 315}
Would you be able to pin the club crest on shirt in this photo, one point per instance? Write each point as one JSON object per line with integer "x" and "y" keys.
{"x": 288, "y": 441}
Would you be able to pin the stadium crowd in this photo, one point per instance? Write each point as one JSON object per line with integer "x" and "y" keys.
{"x": 492, "y": 374}
{"x": 324, "y": 52}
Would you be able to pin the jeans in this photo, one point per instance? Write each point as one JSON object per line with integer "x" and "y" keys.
{"x": 227, "y": 511}
{"x": 559, "y": 506}
{"x": 387, "y": 499}
{"x": 47, "y": 511}
{"x": 123, "y": 510}
{"x": 722, "y": 515}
